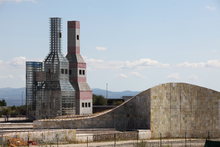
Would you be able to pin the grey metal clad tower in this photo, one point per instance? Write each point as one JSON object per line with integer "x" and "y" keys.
{"x": 31, "y": 87}
{"x": 55, "y": 95}
{"x": 58, "y": 96}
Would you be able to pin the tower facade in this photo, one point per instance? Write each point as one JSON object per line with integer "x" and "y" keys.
{"x": 32, "y": 67}
{"x": 77, "y": 70}
{"x": 49, "y": 91}
{"x": 58, "y": 85}
{"x": 58, "y": 93}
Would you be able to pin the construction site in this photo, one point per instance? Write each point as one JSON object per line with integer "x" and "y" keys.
{"x": 59, "y": 103}
{"x": 172, "y": 114}
{"x": 24, "y": 134}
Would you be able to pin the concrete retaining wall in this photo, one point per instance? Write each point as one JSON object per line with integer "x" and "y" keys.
{"x": 45, "y": 136}
{"x": 179, "y": 109}
{"x": 16, "y": 125}
{"x": 168, "y": 110}
{"x": 70, "y": 136}
{"x": 133, "y": 114}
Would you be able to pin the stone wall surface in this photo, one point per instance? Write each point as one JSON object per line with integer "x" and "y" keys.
{"x": 179, "y": 109}
{"x": 168, "y": 110}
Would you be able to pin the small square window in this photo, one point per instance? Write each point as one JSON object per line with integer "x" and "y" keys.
{"x": 62, "y": 71}
{"x": 81, "y": 72}
{"x": 82, "y": 104}
{"x": 77, "y": 37}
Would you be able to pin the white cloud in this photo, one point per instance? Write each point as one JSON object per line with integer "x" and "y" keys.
{"x": 13, "y": 72}
{"x": 1, "y": 62}
{"x": 193, "y": 78}
{"x": 143, "y": 63}
{"x": 137, "y": 74}
{"x": 124, "y": 76}
{"x": 213, "y": 63}
{"x": 192, "y": 65}
{"x": 209, "y": 64}
{"x": 14, "y": 63}
{"x": 93, "y": 60}
{"x": 100, "y": 48}
{"x": 17, "y": 61}
{"x": 136, "y": 64}
{"x": 174, "y": 76}
{"x": 99, "y": 64}
{"x": 17, "y": 1}
{"x": 6, "y": 76}
{"x": 210, "y": 7}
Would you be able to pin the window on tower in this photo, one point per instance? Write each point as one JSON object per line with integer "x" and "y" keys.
{"x": 77, "y": 37}
{"x": 70, "y": 72}
{"x": 81, "y": 72}
{"x": 62, "y": 71}
{"x": 66, "y": 71}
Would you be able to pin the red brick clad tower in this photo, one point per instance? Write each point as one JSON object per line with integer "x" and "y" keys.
{"x": 77, "y": 67}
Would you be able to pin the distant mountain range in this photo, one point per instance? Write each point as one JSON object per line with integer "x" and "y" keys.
{"x": 111, "y": 94}
{"x": 13, "y": 96}
{"x": 16, "y": 96}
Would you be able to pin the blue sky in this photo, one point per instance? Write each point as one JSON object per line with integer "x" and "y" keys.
{"x": 129, "y": 44}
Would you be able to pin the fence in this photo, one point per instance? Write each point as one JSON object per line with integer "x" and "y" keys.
{"x": 132, "y": 139}
{"x": 126, "y": 139}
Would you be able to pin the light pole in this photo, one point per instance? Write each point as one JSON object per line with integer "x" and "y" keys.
{"x": 22, "y": 93}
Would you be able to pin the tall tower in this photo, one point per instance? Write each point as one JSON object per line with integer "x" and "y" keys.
{"x": 77, "y": 70}
{"x": 32, "y": 67}
{"x": 56, "y": 96}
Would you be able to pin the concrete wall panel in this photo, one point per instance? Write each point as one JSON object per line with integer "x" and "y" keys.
{"x": 169, "y": 110}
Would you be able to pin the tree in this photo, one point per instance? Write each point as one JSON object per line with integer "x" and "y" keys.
{"x": 6, "y": 113}
{"x": 119, "y": 102}
{"x": 13, "y": 111}
{"x": 3, "y": 103}
{"x": 21, "y": 110}
{"x": 99, "y": 100}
